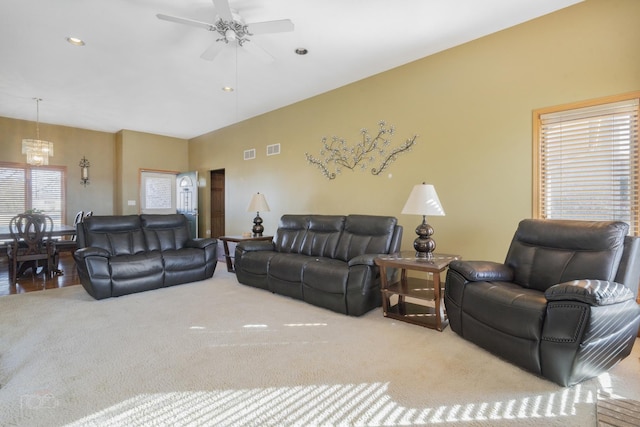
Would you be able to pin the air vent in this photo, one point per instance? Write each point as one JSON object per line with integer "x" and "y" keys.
{"x": 273, "y": 149}
{"x": 250, "y": 154}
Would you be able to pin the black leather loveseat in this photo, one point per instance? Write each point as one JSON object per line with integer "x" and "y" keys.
{"x": 562, "y": 305}
{"x": 119, "y": 255}
{"x": 325, "y": 260}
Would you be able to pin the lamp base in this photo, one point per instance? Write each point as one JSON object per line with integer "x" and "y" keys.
{"x": 257, "y": 229}
{"x": 424, "y": 244}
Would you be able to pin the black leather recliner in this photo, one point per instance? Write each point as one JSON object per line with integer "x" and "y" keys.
{"x": 119, "y": 255}
{"x": 562, "y": 305}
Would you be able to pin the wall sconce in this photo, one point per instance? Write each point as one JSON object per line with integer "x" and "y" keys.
{"x": 84, "y": 171}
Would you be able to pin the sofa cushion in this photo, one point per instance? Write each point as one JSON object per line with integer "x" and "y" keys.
{"x": 257, "y": 262}
{"x": 290, "y": 234}
{"x": 119, "y": 235}
{"x": 164, "y": 232}
{"x": 506, "y": 307}
{"x": 285, "y": 274}
{"x": 183, "y": 265}
{"x": 139, "y": 265}
{"x": 288, "y": 267}
{"x": 561, "y": 251}
{"x": 136, "y": 273}
{"x": 326, "y": 274}
{"x": 183, "y": 259}
{"x": 322, "y": 235}
{"x": 365, "y": 234}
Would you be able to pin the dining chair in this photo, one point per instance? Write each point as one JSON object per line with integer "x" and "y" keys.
{"x": 31, "y": 245}
{"x": 77, "y": 219}
{"x": 69, "y": 244}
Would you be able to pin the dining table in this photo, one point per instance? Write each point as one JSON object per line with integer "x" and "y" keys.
{"x": 58, "y": 231}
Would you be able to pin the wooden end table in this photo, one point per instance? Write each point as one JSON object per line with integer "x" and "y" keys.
{"x": 237, "y": 239}
{"x": 426, "y": 305}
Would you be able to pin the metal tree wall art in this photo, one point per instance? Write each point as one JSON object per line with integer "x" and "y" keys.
{"x": 337, "y": 155}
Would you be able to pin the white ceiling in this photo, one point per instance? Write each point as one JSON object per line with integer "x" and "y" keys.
{"x": 139, "y": 73}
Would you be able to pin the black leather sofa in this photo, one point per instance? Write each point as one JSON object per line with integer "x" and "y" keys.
{"x": 325, "y": 260}
{"x": 119, "y": 255}
{"x": 562, "y": 305}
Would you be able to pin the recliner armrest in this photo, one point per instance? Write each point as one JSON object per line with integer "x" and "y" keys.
{"x": 366, "y": 259}
{"x": 592, "y": 292}
{"x": 201, "y": 243}
{"x": 482, "y": 271}
{"x": 256, "y": 245}
{"x": 91, "y": 251}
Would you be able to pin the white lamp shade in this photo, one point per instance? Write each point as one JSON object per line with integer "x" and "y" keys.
{"x": 258, "y": 203}
{"x": 423, "y": 200}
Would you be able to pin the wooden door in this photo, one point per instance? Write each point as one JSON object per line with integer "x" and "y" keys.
{"x": 217, "y": 203}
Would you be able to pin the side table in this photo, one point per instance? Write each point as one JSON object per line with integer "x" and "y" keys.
{"x": 426, "y": 305}
{"x": 236, "y": 239}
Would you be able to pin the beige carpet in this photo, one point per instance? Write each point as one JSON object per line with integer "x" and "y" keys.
{"x": 222, "y": 354}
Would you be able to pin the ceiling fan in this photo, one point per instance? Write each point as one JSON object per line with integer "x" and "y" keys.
{"x": 232, "y": 29}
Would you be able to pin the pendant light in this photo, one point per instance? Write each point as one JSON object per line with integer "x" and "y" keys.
{"x": 37, "y": 150}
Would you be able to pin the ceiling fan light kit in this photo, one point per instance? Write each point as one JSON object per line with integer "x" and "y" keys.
{"x": 233, "y": 30}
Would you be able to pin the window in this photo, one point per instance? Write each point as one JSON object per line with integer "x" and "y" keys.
{"x": 586, "y": 161}
{"x": 24, "y": 187}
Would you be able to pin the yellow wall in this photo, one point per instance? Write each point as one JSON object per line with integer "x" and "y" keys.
{"x": 138, "y": 150}
{"x": 70, "y": 145}
{"x": 471, "y": 107}
{"x": 116, "y": 160}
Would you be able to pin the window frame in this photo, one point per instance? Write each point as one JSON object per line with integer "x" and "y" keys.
{"x": 28, "y": 196}
{"x": 538, "y": 187}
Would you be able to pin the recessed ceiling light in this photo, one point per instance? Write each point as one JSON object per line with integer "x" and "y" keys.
{"x": 301, "y": 51}
{"x": 227, "y": 89}
{"x": 75, "y": 41}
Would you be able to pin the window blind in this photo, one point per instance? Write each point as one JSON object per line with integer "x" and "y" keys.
{"x": 46, "y": 192}
{"x": 12, "y": 193}
{"x": 24, "y": 187}
{"x": 588, "y": 163}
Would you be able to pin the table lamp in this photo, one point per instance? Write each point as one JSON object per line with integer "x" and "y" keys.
{"x": 424, "y": 201}
{"x": 258, "y": 203}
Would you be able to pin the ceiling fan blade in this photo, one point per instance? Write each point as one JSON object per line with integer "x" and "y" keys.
{"x": 186, "y": 21}
{"x": 212, "y": 51}
{"x": 223, "y": 10}
{"x": 279, "y": 26}
{"x": 258, "y": 52}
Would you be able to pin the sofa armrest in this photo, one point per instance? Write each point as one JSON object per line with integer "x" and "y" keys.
{"x": 592, "y": 292}
{"x": 255, "y": 245}
{"x": 366, "y": 259}
{"x": 91, "y": 251}
{"x": 482, "y": 271}
{"x": 201, "y": 243}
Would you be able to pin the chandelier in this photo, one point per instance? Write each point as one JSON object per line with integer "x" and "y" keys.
{"x": 37, "y": 150}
